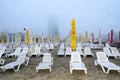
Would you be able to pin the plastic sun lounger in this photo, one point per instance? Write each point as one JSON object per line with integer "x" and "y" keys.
{"x": 60, "y": 52}
{"x": 76, "y": 63}
{"x": 87, "y": 52}
{"x": 115, "y": 52}
{"x": 51, "y": 46}
{"x": 46, "y": 63}
{"x": 106, "y": 50}
{"x": 103, "y": 61}
{"x": 2, "y": 50}
{"x": 68, "y": 51}
{"x": 15, "y": 53}
{"x": 15, "y": 65}
{"x": 37, "y": 51}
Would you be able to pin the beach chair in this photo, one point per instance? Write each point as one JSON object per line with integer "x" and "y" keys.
{"x": 107, "y": 45}
{"x": 15, "y": 53}
{"x": 68, "y": 51}
{"x": 2, "y": 50}
{"x": 46, "y": 63}
{"x": 87, "y": 52}
{"x": 76, "y": 63}
{"x": 106, "y": 50}
{"x": 37, "y": 51}
{"x": 60, "y": 52}
{"x": 115, "y": 52}
{"x": 15, "y": 65}
{"x": 62, "y": 46}
{"x": 51, "y": 46}
{"x": 78, "y": 49}
{"x": 103, "y": 61}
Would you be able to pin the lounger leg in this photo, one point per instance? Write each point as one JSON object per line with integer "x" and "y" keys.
{"x": 50, "y": 69}
{"x": 37, "y": 70}
{"x": 85, "y": 71}
{"x": 96, "y": 63}
{"x": 119, "y": 71}
{"x": 103, "y": 69}
{"x": 108, "y": 71}
{"x": 18, "y": 67}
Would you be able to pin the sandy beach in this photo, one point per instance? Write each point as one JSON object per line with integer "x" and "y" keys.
{"x": 60, "y": 70}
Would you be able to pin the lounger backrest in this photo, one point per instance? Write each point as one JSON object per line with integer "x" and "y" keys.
{"x": 21, "y": 58}
{"x": 101, "y": 57}
{"x": 3, "y": 49}
{"x": 114, "y": 50}
{"x": 18, "y": 49}
{"x": 106, "y": 50}
{"x": 37, "y": 49}
{"x": 78, "y": 49}
{"x": 107, "y": 45}
{"x": 47, "y": 57}
{"x": 51, "y": 46}
{"x": 25, "y": 50}
{"x": 87, "y": 50}
{"x": 68, "y": 50}
{"x": 75, "y": 57}
{"x": 61, "y": 50}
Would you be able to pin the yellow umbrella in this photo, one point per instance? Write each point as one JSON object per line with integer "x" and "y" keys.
{"x": 73, "y": 35}
{"x": 27, "y": 37}
{"x": 3, "y": 34}
{"x": 86, "y": 37}
{"x": 80, "y": 38}
{"x": 58, "y": 38}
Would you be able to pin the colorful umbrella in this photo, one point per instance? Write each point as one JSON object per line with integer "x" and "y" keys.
{"x": 3, "y": 34}
{"x": 111, "y": 36}
{"x": 73, "y": 35}
{"x": 86, "y": 37}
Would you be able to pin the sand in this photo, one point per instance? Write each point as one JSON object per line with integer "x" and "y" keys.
{"x": 60, "y": 70}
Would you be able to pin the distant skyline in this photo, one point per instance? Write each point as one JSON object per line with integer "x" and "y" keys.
{"x": 90, "y": 15}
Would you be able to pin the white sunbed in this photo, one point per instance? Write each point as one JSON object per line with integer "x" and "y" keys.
{"x": 51, "y": 46}
{"x": 106, "y": 50}
{"x": 46, "y": 63}
{"x": 60, "y": 52}
{"x": 37, "y": 51}
{"x": 2, "y": 50}
{"x": 15, "y": 65}
{"x": 115, "y": 52}
{"x": 107, "y": 45}
{"x": 103, "y": 61}
{"x": 68, "y": 51}
{"x": 76, "y": 62}
{"x": 15, "y": 53}
{"x": 87, "y": 52}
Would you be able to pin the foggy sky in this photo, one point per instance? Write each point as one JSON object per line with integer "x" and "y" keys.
{"x": 90, "y": 15}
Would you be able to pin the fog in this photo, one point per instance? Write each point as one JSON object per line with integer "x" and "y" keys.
{"x": 41, "y": 15}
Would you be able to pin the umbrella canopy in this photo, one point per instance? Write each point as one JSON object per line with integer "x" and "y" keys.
{"x": 8, "y": 39}
{"x": 3, "y": 35}
{"x": 73, "y": 35}
{"x": 80, "y": 38}
{"x": 92, "y": 37}
{"x": 27, "y": 37}
{"x": 111, "y": 36}
{"x": 119, "y": 36}
{"x": 100, "y": 38}
{"x": 86, "y": 37}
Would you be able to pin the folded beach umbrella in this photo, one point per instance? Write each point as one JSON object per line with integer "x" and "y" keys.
{"x": 80, "y": 38}
{"x": 3, "y": 34}
{"x": 86, "y": 37}
{"x": 100, "y": 38}
{"x": 119, "y": 36}
{"x": 108, "y": 37}
{"x": 27, "y": 37}
{"x": 73, "y": 35}
{"x": 58, "y": 38}
{"x": 8, "y": 39}
{"x": 92, "y": 37}
{"x": 111, "y": 36}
